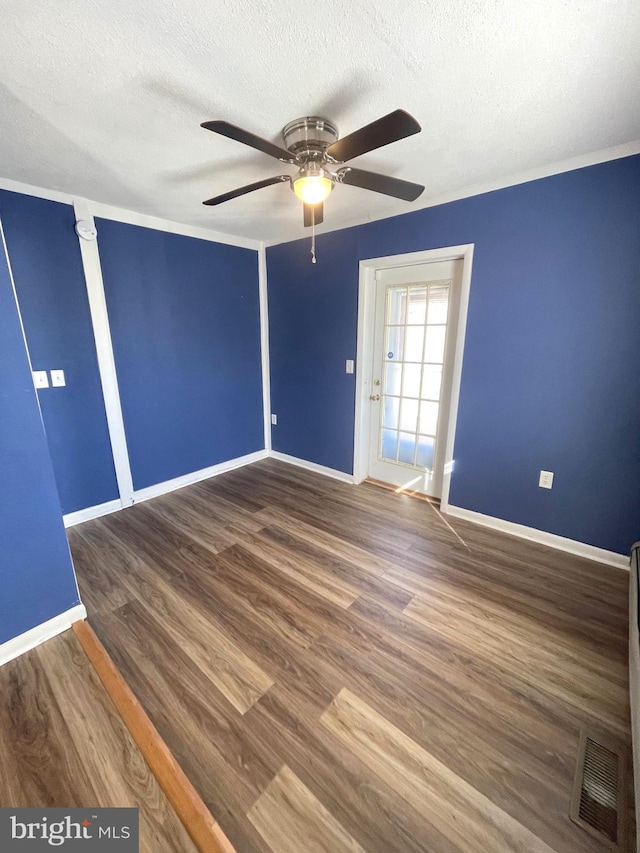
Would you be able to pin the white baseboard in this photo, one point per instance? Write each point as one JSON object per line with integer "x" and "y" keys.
{"x": 572, "y": 546}
{"x": 34, "y": 637}
{"x": 90, "y": 512}
{"x": 196, "y": 476}
{"x": 312, "y": 466}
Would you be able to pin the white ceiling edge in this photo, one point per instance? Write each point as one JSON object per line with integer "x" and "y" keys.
{"x": 132, "y": 217}
{"x": 605, "y": 155}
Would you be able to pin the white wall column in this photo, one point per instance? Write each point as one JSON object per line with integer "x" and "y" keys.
{"x": 264, "y": 344}
{"x": 104, "y": 350}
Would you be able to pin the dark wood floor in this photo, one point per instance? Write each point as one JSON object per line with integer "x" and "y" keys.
{"x": 63, "y": 744}
{"x": 337, "y": 669}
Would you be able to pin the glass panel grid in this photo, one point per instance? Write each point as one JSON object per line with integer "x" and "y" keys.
{"x": 415, "y": 338}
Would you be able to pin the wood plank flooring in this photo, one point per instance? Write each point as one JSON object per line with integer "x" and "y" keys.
{"x": 63, "y": 744}
{"x": 338, "y": 668}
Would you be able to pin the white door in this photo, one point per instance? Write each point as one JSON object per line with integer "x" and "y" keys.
{"x": 414, "y": 346}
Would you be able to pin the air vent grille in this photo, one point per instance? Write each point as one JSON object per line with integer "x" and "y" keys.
{"x": 599, "y": 790}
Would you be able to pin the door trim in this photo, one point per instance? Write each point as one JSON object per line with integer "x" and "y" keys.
{"x": 364, "y": 351}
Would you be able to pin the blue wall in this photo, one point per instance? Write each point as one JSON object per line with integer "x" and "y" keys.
{"x": 36, "y": 575}
{"x": 49, "y": 279}
{"x": 312, "y": 329}
{"x": 550, "y": 376}
{"x": 185, "y": 325}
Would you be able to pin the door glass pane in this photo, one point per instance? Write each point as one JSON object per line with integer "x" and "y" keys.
{"x": 434, "y": 349}
{"x": 417, "y": 306}
{"x": 407, "y": 448}
{"x": 428, "y": 417}
{"x": 431, "y": 381}
{"x": 414, "y": 342}
{"x": 389, "y": 444}
{"x": 397, "y": 303}
{"x": 409, "y": 415}
{"x": 391, "y": 412}
{"x": 395, "y": 343}
{"x": 415, "y": 335}
{"x": 393, "y": 375}
{"x": 438, "y": 304}
{"x": 426, "y": 447}
{"x": 411, "y": 380}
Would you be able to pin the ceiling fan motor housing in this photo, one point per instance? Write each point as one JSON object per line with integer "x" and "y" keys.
{"x": 309, "y": 137}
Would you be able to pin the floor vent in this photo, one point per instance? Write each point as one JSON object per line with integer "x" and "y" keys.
{"x": 599, "y": 792}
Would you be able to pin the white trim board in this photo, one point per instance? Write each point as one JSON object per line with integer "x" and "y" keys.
{"x": 73, "y": 518}
{"x": 90, "y": 254}
{"x": 37, "y": 192}
{"x": 41, "y": 633}
{"x": 572, "y": 546}
{"x": 130, "y": 217}
{"x": 582, "y": 161}
{"x": 195, "y": 477}
{"x": 264, "y": 345}
{"x": 364, "y": 350}
{"x": 312, "y": 466}
{"x": 561, "y": 543}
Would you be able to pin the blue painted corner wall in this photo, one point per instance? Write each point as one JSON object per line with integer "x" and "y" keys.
{"x": 185, "y": 325}
{"x": 49, "y": 280}
{"x": 37, "y": 581}
{"x": 550, "y": 374}
{"x": 312, "y": 330}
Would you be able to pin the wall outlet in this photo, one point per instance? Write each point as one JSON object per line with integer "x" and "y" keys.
{"x": 57, "y": 379}
{"x": 349, "y": 365}
{"x": 40, "y": 379}
{"x": 274, "y": 420}
{"x": 546, "y": 480}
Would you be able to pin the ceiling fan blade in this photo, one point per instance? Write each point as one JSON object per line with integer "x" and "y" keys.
{"x": 240, "y": 135}
{"x": 380, "y": 183}
{"x": 313, "y": 214}
{"x": 249, "y": 188}
{"x": 389, "y": 128}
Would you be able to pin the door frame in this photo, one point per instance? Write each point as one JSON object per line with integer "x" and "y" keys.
{"x": 364, "y": 351}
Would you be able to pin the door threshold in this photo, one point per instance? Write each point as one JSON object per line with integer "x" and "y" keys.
{"x": 400, "y": 490}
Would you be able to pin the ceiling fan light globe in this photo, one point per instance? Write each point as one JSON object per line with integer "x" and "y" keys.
{"x": 312, "y": 189}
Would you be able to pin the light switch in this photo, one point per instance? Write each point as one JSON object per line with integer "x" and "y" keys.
{"x": 349, "y": 363}
{"x": 274, "y": 420}
{"x": 57, "y": 379}
{"x": 40, "y": 379}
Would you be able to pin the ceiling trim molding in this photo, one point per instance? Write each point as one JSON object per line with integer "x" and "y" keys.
{"x": 38, "y": 192}
{"x": 131, "y": 217}
{"x": 582, "y": 161}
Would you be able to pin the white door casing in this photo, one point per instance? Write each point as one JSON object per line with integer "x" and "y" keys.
{"x": 407, "y": 266}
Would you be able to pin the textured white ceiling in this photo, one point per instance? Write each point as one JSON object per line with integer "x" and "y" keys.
{"x": 104, "y": 99}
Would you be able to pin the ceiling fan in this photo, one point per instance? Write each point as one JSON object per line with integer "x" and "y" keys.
{"x": 312, "y": 144}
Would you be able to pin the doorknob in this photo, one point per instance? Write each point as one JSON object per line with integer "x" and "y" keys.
{"x": 375, "y": 397}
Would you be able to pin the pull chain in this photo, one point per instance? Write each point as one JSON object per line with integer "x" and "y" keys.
{"x": 313, "y": 235}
